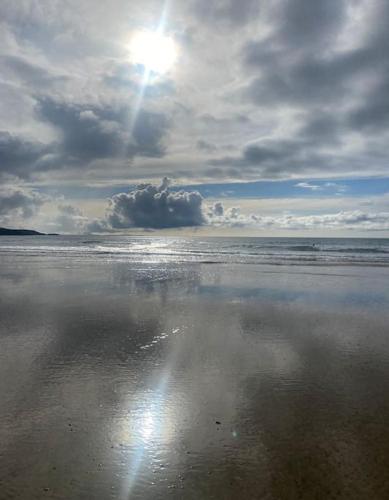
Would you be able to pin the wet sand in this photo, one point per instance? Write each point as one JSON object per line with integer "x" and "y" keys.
{"x": 193, "y": 381}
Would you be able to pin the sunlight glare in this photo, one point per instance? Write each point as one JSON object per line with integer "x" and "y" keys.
{"x": 147, "y": 426}
{"x": 155, "y": 51}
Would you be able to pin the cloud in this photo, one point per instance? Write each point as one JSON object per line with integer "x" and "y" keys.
{"x": 97, "y": 226}
{"x": 345, "y": 220}
{"x": 257, "y": 154}
{"x": 218, "y": 216}
{"x": 120, "y": 216}
{"x": 19, "y": 203}
{"x": 321, "y": 128}
{"x": 128, "y": 77}
{"x": 70, "y": 219}
{"x": 293, "y": 63}
{"x": 325, "y": 65}
{"x": 372, "y": 115}
{"x": 88, "y": 132}
{"x": 303, "y": 22}
{"x": 20, "y": 156}
{"x": 323, "y": 186}
{"x": 91, "y": 132}
{"x": 205, "y": 146}
{"x": 297, "y": 89}
{"x": 156, "y": 207}
{"x": 217, "y": 210}
{"x": 307, "y": 185}
{"x": 29, "y": 73}
{"x": 66, "y": 218}
{"x": 271, "y": 158}
{"x": 225, "y": 122}
{"x": 225, "y": 12}
{"x": 302, "y": 61}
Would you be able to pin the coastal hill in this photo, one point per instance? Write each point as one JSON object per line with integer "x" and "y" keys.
{"x": 22, "y": 232}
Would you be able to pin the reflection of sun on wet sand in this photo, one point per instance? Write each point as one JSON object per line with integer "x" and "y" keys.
{"x": 208, "y": 382}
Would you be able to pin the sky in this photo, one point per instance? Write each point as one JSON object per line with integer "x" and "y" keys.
{"x": 257, "y": 117}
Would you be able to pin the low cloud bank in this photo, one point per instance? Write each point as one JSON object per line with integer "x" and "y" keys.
{"x": 158, "y": 207}
{"x": 344, "y": 220}
{"x": 152, "y": 207}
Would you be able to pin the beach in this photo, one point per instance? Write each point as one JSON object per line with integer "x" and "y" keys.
{"x": 163, "y": 374}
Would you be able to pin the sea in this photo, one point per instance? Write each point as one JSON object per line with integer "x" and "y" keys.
{"x": 205, "y": 250}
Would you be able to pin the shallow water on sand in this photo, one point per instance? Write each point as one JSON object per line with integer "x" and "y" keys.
{"x": 194, "y": 381}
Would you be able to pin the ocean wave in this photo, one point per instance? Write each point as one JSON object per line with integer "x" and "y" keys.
{"x": 303, "y": 248}
{"x": 358, "y": 250}
{"x": 187, "y": 250}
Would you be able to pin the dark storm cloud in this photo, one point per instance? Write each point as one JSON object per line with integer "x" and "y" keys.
{"x": 156, "y": 207}
{"x": 18, "y": 202}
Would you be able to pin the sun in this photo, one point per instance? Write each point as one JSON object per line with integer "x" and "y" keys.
{"x": 153, "y": 50}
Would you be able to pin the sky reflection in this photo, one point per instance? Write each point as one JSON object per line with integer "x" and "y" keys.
{"x": 239, "y": 388}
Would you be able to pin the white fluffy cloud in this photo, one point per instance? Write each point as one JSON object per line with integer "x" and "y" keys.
{"x": 343, "y": 220}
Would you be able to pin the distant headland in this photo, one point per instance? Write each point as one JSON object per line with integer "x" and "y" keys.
{"x": 23, "y": 232}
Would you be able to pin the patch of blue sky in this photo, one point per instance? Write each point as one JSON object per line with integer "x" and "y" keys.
{"x": 296, "y": 188}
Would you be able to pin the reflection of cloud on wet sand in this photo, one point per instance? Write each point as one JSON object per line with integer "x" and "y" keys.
{"x": 292, "y": 409}
{"x": 320, "y": 427}
{"x": 233, "y": 397}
